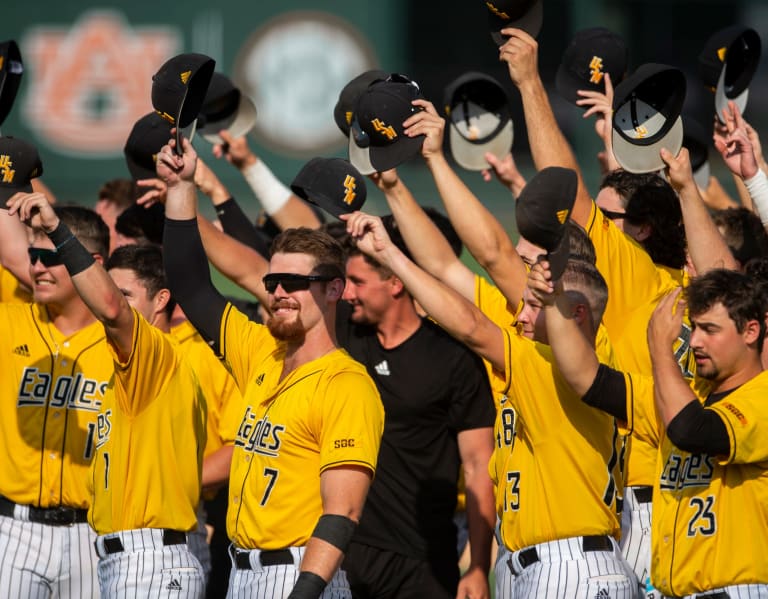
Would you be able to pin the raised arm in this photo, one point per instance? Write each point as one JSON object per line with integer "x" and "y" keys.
{"x": 428, "y": 246}
{"x": 485, "y": 237}
{"x": 94, "y": 285}
{"x": 186, "y": 264}
{"x": 706, "y": 246}
{"x": 574, "y": 354}
{"x": 287, "y": 210}
{"x": 453, "y": 312}
{"x": 547, "y": 142}
{"x": 13, "y": 248}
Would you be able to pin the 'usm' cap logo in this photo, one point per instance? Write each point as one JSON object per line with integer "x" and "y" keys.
{"x": 348, "y": 115}
{"x": 2, "y": 60}
{"x": 185, "y": 76}
{"x": 596, "y": 70}
{"x": 5, "y": 169}
{"x": 721, "y": 52}
{"x": 166, "y": 116}
{"x": 562, "y": 216}
{"x": 349, "y": 185}
{"x": 499, "y": 13}
{"x": 384, "y": 129}
{"x": 641, "y": 131}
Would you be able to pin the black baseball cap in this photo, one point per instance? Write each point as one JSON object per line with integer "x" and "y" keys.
{"x": 179, "y": 88}
{"x": 697, "y": 141}
{"x": 646, "y": 117}
{"x": 331, "y": 183}
{"x": 477, "y": 107}
{"x": 149, "y": 134}
{"x": 343, "y": 112}
{"x": 225, "y": 107}
{"x": 542, "y": 211}
{"x": 728, "y": 63}
{"x": 527, "y": 15}
{"x": 11, "y": 70}
{"x": 19, "y": 164}
{"x": 376, "y": 132}
{"x": 591, "y": 54}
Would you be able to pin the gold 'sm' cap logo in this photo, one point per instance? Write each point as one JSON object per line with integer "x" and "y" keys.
{"x": 596, "y": 70}
{"x": 641, "y": 131}
{"x": 499, "y": 13}
{"x": 562, "y": 216}
{"x": 5, "y": 169}
{"x": 721, "y": 52}
{"x": 2, "y": 60}
{"x": 349, "y": 185}
{"x": 384, "y": 129}
{"x": 185, "y": 76}
{"x": 167, "y": 117}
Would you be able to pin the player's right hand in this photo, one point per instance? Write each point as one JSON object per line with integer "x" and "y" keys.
{"x": 520, "y": 52}
{"x": 172, "y": 168}
{"x": 235, "y": 150}
{"x": 540, "y": 283}
{"x": 426, "y": 122}
{"x": 34, "y": 210}
{"x": 368, "y": 233}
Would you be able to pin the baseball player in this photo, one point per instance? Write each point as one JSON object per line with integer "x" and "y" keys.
{"x": 567, "y": 549}
{"x": 56, "y": 372}
{"x": 711, "y": 473}
{"x": 141, "y": 509}
{"x": 309, "y": 435}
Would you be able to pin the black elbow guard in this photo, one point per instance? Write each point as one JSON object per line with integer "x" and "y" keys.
{"x": 336, "y": 530}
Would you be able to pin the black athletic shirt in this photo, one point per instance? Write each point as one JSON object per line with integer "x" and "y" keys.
{"x": 432, "y": 387}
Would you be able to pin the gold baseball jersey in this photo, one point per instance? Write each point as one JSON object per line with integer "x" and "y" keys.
{"x": 53, "y": 386}
{"x": 325, "y": 414}
{"x": 11, "y": 290}
{"x": 635, "y": 286}
{"x": 150, "y": 439}
{"x": 555, "y": 459}
{"x": 709, "y": 512}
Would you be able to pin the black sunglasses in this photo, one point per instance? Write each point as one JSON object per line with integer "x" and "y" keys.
{"x": 613, "y": 215}
{"x": 47, "y": 257}
{"x": 292, "y": 282}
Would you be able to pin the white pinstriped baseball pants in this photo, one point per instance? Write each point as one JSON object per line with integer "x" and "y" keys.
{"x": 148, "y": 568}
{"x": 565, "y": 571}
{"x": 276, "y": 582}
{"x": 738, "y": 591}
{"x": 41, "y": 561}
{"x": 636, "y": 541}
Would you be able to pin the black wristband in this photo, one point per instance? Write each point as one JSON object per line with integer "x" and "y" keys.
{"x": 72, "y": 253}
{"x": 308, "y": 586}
{"x": 336, "y": 530}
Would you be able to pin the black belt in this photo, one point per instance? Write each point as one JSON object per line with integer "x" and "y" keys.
{"x": 530, "y": 556}
{"x": 643, "y": 494}
{"x": 170, "y": 537}
{"x": 55, "y": 516}
{"x": 718, "y": 595}
{"x": 276, "y": 557}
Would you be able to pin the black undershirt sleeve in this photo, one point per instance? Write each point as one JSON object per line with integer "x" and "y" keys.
{"x": 189, "y": 279}
{"x": 698, "y": 430}
{"x": 608, "y": 393}
{"x": 236, "y": 224}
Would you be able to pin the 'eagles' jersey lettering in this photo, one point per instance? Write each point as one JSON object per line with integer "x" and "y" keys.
{"x": 687, "y": 471}
{"x": 259, "y": 436}
{"x": 76, "y": 393}
{"x": 103, "y": 428}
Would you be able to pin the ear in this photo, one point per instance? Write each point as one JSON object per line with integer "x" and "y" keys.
{"x": 581, "y": 313}
{"x": 644, "y": 232}
{"x": 335, "y": 289}
{"x": 396, "y": 286}
{"x": 161, "y": 300}
{"x": 751, "y": 332}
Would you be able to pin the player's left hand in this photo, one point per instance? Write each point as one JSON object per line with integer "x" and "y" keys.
{"x": 385, "y": 180}
{"x": 34, "y": 210}
{"x": 156, "y": 192}
{"x": 520, "y": 52}
{"x": 666, "y": 320}
{"x": 678, "y": 169}
{"x": 172, "y": 168}
{"x": 368, "y": 233}
{"x": 473, "y": 585}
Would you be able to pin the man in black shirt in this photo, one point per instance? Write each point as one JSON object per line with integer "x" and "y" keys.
{"x": 439, "y": 416}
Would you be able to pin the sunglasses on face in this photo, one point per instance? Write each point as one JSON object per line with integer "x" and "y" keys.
{"x": 47, "y": 257}
{"x": 613, "y": 215}
{"x": 292, "y": 282}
